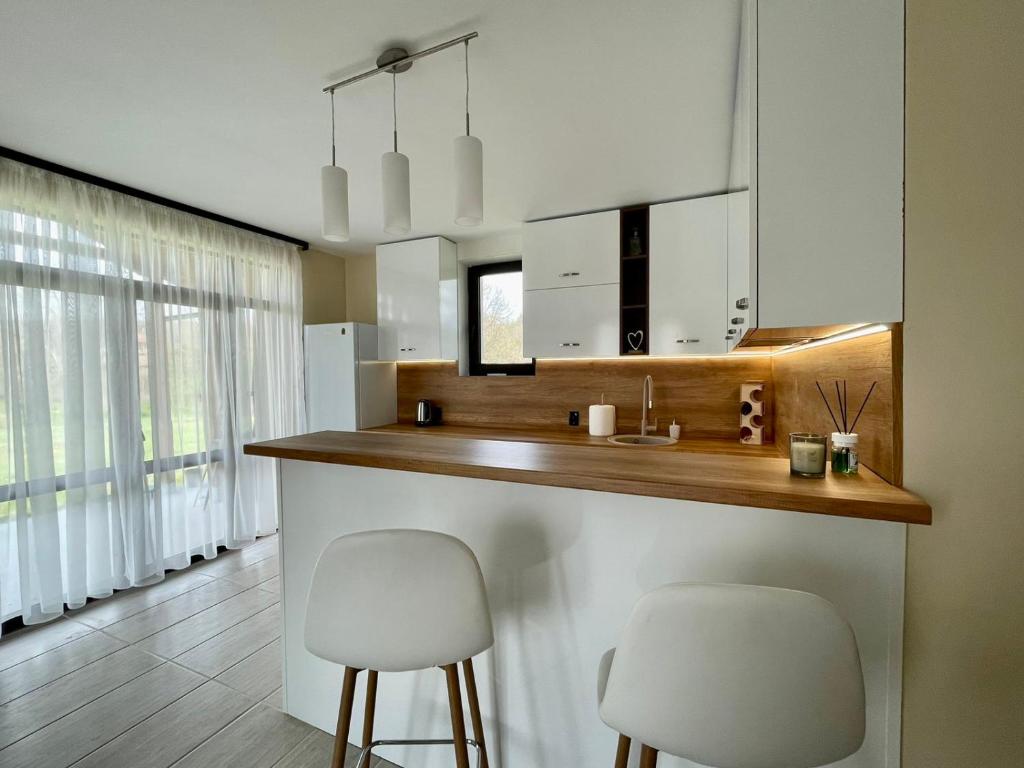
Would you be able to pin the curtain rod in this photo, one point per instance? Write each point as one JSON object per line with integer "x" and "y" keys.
{"x": 398, "y": 63}
{"x": 124, "y": 189}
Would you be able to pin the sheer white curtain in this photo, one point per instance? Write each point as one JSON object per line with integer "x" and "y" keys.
{"x": 140, "y": 348}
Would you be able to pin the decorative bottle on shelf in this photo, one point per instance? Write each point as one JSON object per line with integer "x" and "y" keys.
{"x": 635, "y": 247}
{"x": 844, "y": 453}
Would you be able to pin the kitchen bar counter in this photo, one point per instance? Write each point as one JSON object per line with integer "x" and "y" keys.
{"x": 672, "y": 472}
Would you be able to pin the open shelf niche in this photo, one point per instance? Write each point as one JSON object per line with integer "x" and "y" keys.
{"x": 634, "y": 274}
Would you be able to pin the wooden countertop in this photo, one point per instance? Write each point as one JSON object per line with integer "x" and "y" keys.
{"x": 669, "y": 472}
{"x": 577, "y": 436}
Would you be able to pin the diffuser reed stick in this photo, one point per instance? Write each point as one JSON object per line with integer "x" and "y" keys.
{"x": 856, "y": 418}
{"x": 825, "y": 400}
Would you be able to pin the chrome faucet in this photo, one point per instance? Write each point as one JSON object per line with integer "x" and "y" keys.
{"x": 648, "y": 402}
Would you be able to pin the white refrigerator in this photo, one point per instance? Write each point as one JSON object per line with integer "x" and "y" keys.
{"x": 347, "y": 387}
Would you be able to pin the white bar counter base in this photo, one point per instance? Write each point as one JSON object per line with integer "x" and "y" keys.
{"x": 563, "y": 568}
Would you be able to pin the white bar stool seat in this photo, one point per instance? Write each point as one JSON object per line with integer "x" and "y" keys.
{"x": 734, "y": 676}
{"x": 398, "y": 601}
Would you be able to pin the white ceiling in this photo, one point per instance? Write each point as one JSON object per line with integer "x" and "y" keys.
{"x": 581, "y": 105}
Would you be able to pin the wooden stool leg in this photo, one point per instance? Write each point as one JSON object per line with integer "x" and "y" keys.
{"x": 474, "y": 710}
{"x": 370, "y": 708}
{"x": 622, "y": 753}
{"x": 348, "y": 692}
{"x": 451, "y": 671}
{"x": 648, "y": 757}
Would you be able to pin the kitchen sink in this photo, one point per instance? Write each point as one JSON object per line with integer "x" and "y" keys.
{"x": 641, "y": 440}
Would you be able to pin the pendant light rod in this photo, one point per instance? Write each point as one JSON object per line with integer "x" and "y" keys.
{"x": 392, "y": 66}
{"x": 467, "y": 87}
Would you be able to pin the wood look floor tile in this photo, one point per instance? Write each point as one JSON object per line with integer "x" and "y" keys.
{"x": 109, "y": 610}
{"x": 256, "y": 573}
{"x": 83, "y": 731}
{"x": 316, "y": 750}
{"x": 259, "y": 675}
{"x": 190, "y": 632}
{"x": 172, "y": 611}
{"x": 231, "y": 646}
{"x": 258, "y": 739}
{"x": 45, "y": 668}
{"x": 173, "y": 732}
{"x": 271, "y": 585}
{"x": 275, "y": 699}
{"x": 32, "y": 641}
{"x": 29, "y": 713}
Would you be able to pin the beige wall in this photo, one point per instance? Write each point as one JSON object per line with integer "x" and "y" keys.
{"x": 964, "y": 384}
{"x": 361, "y": 288}
{"x": 323, "y": 288}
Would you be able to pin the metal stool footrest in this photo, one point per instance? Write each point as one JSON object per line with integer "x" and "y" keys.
{"x": 367, "y": 751}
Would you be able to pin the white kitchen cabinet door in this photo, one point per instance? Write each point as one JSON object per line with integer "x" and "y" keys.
{"x": 571, "y": 322}
{"x": 829, "y": 162}
{"x": 738, "y": 270}
{"x": 416, "y": 306}
{"x": 688, "y": 310}
{"x": 571, "y": 251}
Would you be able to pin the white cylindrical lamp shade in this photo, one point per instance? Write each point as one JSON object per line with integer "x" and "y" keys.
{"x": 469, "y": 181}
{"x": 334, "y": 198}
{"x": 394, "y": 167}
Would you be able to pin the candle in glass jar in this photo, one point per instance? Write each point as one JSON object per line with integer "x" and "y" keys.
{"x": 807, "y": 454}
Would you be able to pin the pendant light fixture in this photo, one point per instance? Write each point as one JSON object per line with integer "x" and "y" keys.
{"x": 469, "y": 171}
{"x": 394, "y": 168}
{"x": 334, "y": 195}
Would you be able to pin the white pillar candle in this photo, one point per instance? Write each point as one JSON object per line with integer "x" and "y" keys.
{"x": 601, "y": 420}
{"x": 808, "y": 458}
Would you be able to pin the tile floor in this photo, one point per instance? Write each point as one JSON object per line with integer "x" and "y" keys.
{"x": 184, "y": 673}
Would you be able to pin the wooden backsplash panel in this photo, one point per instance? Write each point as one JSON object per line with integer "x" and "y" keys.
{"x": 798, "y": 406}
{"x": 702, "y": 394}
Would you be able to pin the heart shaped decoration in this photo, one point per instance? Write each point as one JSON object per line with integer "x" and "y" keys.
{"x": 635, "y": 339}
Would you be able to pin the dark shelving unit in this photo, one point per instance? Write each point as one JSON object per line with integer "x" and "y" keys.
{"x": 634, "y": 279}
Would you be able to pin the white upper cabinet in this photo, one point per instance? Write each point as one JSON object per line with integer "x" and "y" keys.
{"x": 417, "y": 300}
{"x": 571, "y": 322}
{"x": 829, "y": 170}
{"x": 572, "y": 251}
{"x": 687, "y": 293}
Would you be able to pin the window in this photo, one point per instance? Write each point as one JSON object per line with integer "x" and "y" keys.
{"x": 496, "y": 321}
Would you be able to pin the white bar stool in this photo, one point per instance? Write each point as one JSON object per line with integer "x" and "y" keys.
{"x": 735, "y": 677}
{"x": 399, "y": 601}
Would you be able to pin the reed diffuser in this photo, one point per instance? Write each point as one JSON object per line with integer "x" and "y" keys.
{"x": 844, "y": 439}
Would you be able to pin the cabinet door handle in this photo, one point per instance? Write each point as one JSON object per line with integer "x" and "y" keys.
{"x": 742, "y": 303}
{"x": 407, "y": 349}
{"x": 687, "y": 341}
{"x": 737, "y": 321}
{"x": 569, "y": 344}
{"x": 568, "y": 274}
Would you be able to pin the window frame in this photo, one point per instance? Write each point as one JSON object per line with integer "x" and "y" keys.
{"x": 476, "y": 367}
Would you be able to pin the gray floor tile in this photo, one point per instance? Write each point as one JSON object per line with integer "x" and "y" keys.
{"x": 89, "y": 728}
{"x": 271, "y": 585}
{"x": 256, "y": 573}
{"x": 189, "y": 633}
{"x": 32, "y": 641}
{"x": 231, "y": 646}
{"x": 259, "y": 675}
{"x": 172, "y": 732}
{"x": 103, "y": 613}
{"x": 258, "y": 739}
{"x": 172, "y": 611}
{"x": 38, "y": 671}
{"x": 34, "y": 710}
{"x": 276, "y": 699}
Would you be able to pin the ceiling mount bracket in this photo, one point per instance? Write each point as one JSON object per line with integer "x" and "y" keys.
{"x": 395, "y": 60}
{"x": 390, "y": 56}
